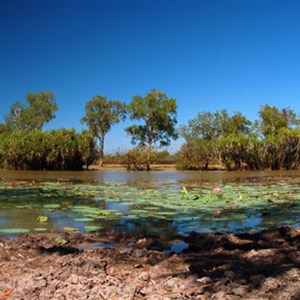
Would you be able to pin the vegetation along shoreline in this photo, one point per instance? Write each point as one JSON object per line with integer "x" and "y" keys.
{"x": 212, "y": 140}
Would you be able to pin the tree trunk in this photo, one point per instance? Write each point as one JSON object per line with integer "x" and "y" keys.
{"x": 149, "y": 150}
{"x": 148, "y": 164}
{"x": 101, "y": 150}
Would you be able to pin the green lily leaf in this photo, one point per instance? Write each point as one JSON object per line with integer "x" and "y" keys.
{"x": 70, "y": 229}
{"x": 61, "y": 240}
{"x": 42, "y": 219}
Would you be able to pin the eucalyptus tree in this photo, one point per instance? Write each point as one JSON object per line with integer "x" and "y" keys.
{"x": 100, "y": 115}
{"x": 38, "y": 110}
{"x": 156, "y": 117}
{"x": 202, "y": 133}
{"x": 210, "y": 126}
{"x": 272, "y": 119}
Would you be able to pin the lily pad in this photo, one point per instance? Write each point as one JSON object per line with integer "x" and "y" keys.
{"x": 40, "y": 229}
{"x": 70, "y": 229}
{"x": 93, "y": 228}
{"x": 42, "y": 219}
{"x": 51, "y": 206}
{"x": 61, "y": 240}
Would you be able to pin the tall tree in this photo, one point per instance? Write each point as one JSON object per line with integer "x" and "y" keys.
{"x": 3, "y": 128}
{"x": 272, "y": 119}
{"x": 38, "y": 110}
{"x": 210, "y": 126}
{"x": 156, "y": 115}
{"x": 100, "y": 116}
{"x": 279, "y": 129}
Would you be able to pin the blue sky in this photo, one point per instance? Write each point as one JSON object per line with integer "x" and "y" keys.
{"x": 208, "y": 55}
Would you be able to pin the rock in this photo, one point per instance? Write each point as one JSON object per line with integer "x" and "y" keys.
{"x": 270, "y": 284}
{"x": 296, "y": 295}
{"x": 157, "y": 245}
{"x": 229, "y": 274}
{"x": 240, "y": 291}
{"x": 220, "y": 296}
{"x": 171, "y": 284}
{"x": 292, "y": 274}
{"x": 144, "y": 276}
{"x": 205, "y": 280}
{"x": 257, "y": 280}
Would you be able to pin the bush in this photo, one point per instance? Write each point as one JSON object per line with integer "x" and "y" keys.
{"x": 137, "y": 158}
{"x": 47, "y": 150}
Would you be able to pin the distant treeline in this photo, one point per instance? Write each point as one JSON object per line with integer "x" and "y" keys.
{"x": 220, "y": 140}
{"x": 212, "y": 139}
{"x": 271, "y": 142}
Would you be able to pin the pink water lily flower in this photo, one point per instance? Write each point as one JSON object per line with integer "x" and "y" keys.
{"x": 218, "y": 212}
{"x": 13, "y": 184}
{"x": 217, "y": 190}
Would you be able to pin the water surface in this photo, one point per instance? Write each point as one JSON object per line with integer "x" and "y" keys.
{"x": 164, "y": 202}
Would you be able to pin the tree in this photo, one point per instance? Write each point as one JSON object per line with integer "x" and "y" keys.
{"x": 39, "y": 109}
{"x": 241, "y": 151}
{"x": 210, "y": 126}
{"x": 3, "y": 128}
{"x": 227, "y": 125}
{"x": 156, "y": 114}
{"x": 201, "y": 135}
{"x": 272, "y": 120}
{"x": 100, "y": 116}
{"x": 196, "y": 154}
{"x": 279, "y": 130}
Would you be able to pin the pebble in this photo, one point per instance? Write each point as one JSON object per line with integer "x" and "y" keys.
{"x": 240, "y": 291}
{"x": 270, "y": 284}
{"x": 144, "y": 276}
{"x": 205, "y": 280}
{"x": 292, "y": 274}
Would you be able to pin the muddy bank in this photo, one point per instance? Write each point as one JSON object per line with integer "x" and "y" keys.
{"x": 122, "y": 266}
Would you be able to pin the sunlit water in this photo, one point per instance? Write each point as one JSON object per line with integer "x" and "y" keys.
{"x": 148, "y": 201}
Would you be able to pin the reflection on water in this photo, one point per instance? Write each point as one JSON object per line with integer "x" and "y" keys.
{"x": 20, "y": 208}
{"x": 138, "y": 178}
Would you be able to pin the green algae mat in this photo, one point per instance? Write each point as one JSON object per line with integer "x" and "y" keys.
{"x": 161, "y": 208}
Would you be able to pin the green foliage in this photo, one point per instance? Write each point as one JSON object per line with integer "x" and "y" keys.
{"x": 272, "y": 143}
{"x": 241, "y": 151}
{"x": 100, "y": 116}
{"x": 47, "y": 150}
{"x": 272, "y": 120}
{"x": 156, "y": 115}
{"x": 128, "y": 158}
{"x": 196, "y": 154}
{"x": 39, "y": 109}
{"x": 3, "y": 128}
{"x": 210, "y": 126}
{"x": 164, "y": 157}
{"x": 115, "y": 158}
{"x": 137, "y": 159}
{"x": 282, "y": 150}
{"x": 201, "y": 135}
